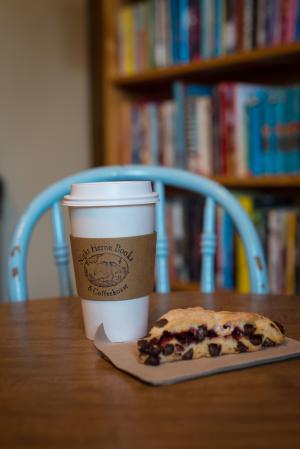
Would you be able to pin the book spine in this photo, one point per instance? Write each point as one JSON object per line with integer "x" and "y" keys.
{"x": 275, "y": 250}
{"x": 243, "y": 280}
{"x": 268, "y": 134}
{"x": 272, "y": 127}
{"x": 292, "y": 153}
{"x": 248, "y": 24}
{"x": 298, "y": 255}
{"x": 297, "y": 31}
{"x": 218, "y": 26}
{"x": 154, "y": 134}
{"x": 125, "y": 135}
{"x": 204, "y": 135}
{"x": 220, "y": 256}
{"x": 297, "y": 113}
{"x": 161, "y": 44}
{"x": 261, "y": 15}
{"x": 268, "y": 22}
{"x": 174, "y": 29}
{"x": 171, "y": 240}
{"x": 127, "y": 18}
{"x": 194, "y": 29}
{"x": 291, "y": 20}
{"x": 205, "y": 20}
{"x": 239, "y": 24}
{"x": 254, "y": 42}
{"x": 151, "y": 34}
{"x": 216, "y": 137}
{"x": 180, "y": 122}
{"x": 276, "y": 22}
{"x": 191, "y": 134}
{"x": 167, "y": 135}
{"x": 179, "y": 239}
{"x": 228, "y": 248}
{"x": 144, "y": 35}
{"x": 223, "y": 88}
{"x": 290, "y": 272}
{"x": 206, "y": 142}
{"x": 255, "y": 152}
{"x": 184, "y": 51}
{"x": 284, "y": 20}
{"x": 136, "y": 133}
{"x": 145, "y": 152}
{"x": 279, "y": 131}
{"x": 241, "y": 95}
{"x": 229, "y": 27}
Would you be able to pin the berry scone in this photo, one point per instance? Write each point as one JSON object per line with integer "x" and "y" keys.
{"x": 185, "y": 334}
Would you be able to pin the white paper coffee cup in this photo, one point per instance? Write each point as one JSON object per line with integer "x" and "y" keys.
{"x": 112, "y": 210}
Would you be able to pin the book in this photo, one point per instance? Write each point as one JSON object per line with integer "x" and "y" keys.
{"x": 204, "y": 130}
{"x": 167, "y": 147}
{"x": 291, "y": 236}
{"x": 158, "y": 33}
{"x": 173, "y": 7}
{"x": 225, "y": 250}
{"x": 276, "y": 238}
{"x": 184, "y": 26}
{"x": 243, "y": 94}
{"x": 242, "y": 273}
{"x": 182, "y": 94}
{"x": 126, "y": 33}
{"x": 194, "y": 29}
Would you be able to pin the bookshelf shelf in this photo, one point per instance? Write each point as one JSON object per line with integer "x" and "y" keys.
{"x": 279, "y": 181}
{"x": 279, "y": 57}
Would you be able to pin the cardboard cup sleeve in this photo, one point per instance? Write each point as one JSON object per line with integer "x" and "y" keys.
{"x": 108, "y": 269}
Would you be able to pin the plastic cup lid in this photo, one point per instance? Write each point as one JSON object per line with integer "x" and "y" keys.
{"x": 115, "y": 193}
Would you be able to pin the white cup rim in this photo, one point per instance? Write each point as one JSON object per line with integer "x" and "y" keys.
{"x": 110, "y": 193}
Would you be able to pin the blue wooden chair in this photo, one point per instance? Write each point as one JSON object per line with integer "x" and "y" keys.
{"x": 160, "y": 176}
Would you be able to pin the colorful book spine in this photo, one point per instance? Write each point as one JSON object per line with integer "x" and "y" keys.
{"x": 228, "y": 248}
{"x": 127, "y": 27}
{"x": 174, "y": 30}
{"x": 290, "y": 267}
{"x": 204, "y": 130}
{"x": 291, "y": 131}
{"x": 167, "y": 154}
{"x": 194, "y": 29}
{"x": 179, "y": 99}
{"x": 255, "y": 133}
{"x": 184, "y": 48}
{"x": 276, "y": 239}
{"x": 242, "y": 273}
{"x": 218, "y": 24}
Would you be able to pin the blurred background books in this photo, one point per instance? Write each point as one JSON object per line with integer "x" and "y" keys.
{"x": 159, "y": 33}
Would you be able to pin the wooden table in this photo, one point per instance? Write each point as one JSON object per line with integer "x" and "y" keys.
{"x": 57, "y": 392}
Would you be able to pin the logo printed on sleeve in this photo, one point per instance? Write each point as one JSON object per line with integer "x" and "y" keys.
{"x": 105, "y": 270}
{"x": 106, "y": 266}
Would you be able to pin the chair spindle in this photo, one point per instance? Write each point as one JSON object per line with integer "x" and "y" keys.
{"x": 162, "y": 245}
{"x": 208, "y": 247}
{"x": 61, "y": 251}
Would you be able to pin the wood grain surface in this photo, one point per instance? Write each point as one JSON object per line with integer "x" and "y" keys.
{"x": 57, "y": 392}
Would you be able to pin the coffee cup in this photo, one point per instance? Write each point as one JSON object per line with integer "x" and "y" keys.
{"x": 113, "y": 248}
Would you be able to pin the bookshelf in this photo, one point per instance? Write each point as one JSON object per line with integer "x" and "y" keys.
{"x": 231, "y": 66}
{"x": 277, "y": 64}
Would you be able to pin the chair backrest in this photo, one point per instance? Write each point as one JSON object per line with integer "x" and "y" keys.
{"x": 160, "y": 176}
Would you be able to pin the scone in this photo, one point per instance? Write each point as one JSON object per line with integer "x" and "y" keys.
{"x": 185, "y": 334}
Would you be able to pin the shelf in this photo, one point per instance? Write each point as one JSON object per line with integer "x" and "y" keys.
{"x": 180, "y": 286}
{"x": 279, "y": 181}
{"x": 253, "y": 59}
